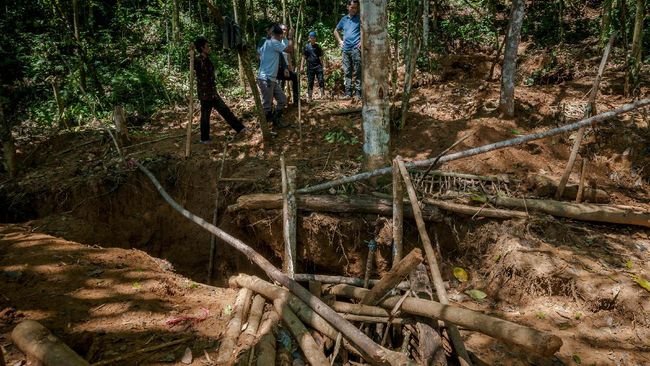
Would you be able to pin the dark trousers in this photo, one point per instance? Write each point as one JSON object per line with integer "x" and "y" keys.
{"x": 294, "y": 86}
{"x": 315, "y": 73}
{"x": 352, "y": 68}
{"x": 225, "y": 112}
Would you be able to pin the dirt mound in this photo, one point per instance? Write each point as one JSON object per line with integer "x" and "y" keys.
{"x": 105, "y": 302}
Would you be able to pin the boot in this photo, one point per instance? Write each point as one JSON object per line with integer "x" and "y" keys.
{"x": 309, "y": 94}
{"x": 277, "y": 119}
{"x": 269, "y": 117}
{"x": 322, "y": 92}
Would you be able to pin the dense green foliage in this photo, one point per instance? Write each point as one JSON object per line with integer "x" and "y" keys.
{"x": 125, "y": 53}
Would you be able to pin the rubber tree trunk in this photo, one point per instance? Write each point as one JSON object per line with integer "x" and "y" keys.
{"x": 509, "y": 70}
{"x": 8, "y": 146}
{"x": 238, "y": 8}
{"x": 606, "y": 21}
{"x": 425, "y": 24}
{"x": 176, "y": 31}
{"x": 637, "y": 44}
{"x": 375, "y": 64}
{"x": 77, "y": 37}
{"x": 411, "y": 56}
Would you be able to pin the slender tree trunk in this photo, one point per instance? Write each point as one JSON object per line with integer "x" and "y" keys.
{"x": 77, "y": 37}
{"x": 176, "y": 32}
{"x": 509, "y": 70}
{"x": 623, "y": 20}
{"x": 375, "y": 63}
{"x": 560, "y": 19}
{"x": 8, "y": 146}
{"x": 606, "y": 21}
{"x": 237, "y": 9}
{"x": 411, "y": 57}
{"x": 637, "y": 44}
{"x": 425, "y": 24}
{"x": 284, "y": 11}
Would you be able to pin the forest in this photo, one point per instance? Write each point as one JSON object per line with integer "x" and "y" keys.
{"x": 340, "y": 182}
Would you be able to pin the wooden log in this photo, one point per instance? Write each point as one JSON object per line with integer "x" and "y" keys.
{"x": 306, "y": 314}
{"x": 483, "y": 149}
{"x": 316, "y": 288}
{"x": 579, "y": 211}
{"x": 439, "y": 285}
{"x": 376, "y": 319}
{"x": 310, "y": 349}
{"x": 476, "y": 211}
{"x": 374, "y": 353}
{"x": 229, "y": 339}
{"x": 591, "y": 109}
{"x": 249, "y": 335}
{"x": 36, "y": 341}
{"x": 289, "y": 215}
{"x": 398, "y": 215}
{"x": 266, "y": 344}
{"x": 393, "y": 277}
{"x": 326, "y": 203}
{"x": 530, "y": 339}
{"x": 430, "y": 345}
{"x": 372, "y": 247}
{"x": 304, "y": 277}
{"x": 581, "y": 185}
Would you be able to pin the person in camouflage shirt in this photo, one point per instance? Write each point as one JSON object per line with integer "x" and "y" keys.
{"x": 207, "y": 92}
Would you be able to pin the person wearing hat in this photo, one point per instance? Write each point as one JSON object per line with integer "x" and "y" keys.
{"x": 313, "y": 53}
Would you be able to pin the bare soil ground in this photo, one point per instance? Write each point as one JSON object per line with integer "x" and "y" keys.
{"x": 571, "y": 278}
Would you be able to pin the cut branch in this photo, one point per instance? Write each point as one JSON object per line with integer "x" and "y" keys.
{"x": 485, "y": 148}
{"x": 393, "y": 277}
{"x": 503, "y": 330}
{"x": 325, "y": 203}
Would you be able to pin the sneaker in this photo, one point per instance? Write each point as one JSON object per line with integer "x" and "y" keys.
{"x": 206, "y": 142}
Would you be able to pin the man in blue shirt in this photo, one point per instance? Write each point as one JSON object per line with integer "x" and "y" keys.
{"x": 351, "y": 48}
{"x": 270, "y": 53}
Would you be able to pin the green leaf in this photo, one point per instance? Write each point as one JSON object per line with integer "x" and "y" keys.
{"x": 565, "y": 326}
{"x": 460, "y": 274}
{"x": 136, "y": 285}
{"x": 540, "y": 314}
{"x": 643, "y": 283}
{"x": 578, "y": 315}
{"x": 227, "y": 310}
{"x": 576, "y": 359}
{"x": 629, "y": 264}
{"x": 477, "y": 295}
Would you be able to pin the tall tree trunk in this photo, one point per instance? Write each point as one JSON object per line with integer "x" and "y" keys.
{"x": 606, "y": 21}
{"x": 560, "y": 19}
{"x": 375, "y": 63}
{"x": 509, "y": 69}
{"x": 8, "y": 146}
{"x": 238, "y": 9}
{"x": 77, "y": 37}
{"x": 637, "y": 44}
{"x": 623, "y": 23}
{"x": 411, "y": 57}
{"x": 284, "y": 12}
{"x": 176, "y": 32}
{"x": 425, "y": 24}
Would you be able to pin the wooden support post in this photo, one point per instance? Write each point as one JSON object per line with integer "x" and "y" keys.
{"x": 36, "y": 341}
{"x": 188, "y": 139}
{"x": 393, "y": 277}
{"x": 591, "y": 109}
{"x": 439, "y": 285}
{"x": 372, "y": 247}
{"x": 398, "y": 215}
{"x": 290, "y": 216}
{"x": 229, "y": 339}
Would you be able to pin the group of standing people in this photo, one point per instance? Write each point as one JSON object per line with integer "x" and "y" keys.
{"x": 274, "y": 70}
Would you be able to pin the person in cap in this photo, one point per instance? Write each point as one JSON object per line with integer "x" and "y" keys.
{"x": 313, "y": 52}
